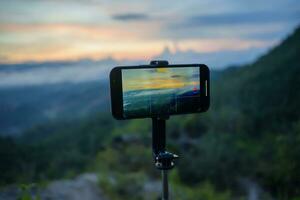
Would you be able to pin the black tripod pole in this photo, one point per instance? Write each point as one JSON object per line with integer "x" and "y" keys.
{"x": 165, "y": 185}
{"x": 158, "y": 135}
{"x": 163, "y": 159}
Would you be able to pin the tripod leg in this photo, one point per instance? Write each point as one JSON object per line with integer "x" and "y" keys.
{"x": 165, "y": 189}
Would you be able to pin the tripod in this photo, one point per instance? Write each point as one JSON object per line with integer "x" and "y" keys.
{"x": 164, "y": 160}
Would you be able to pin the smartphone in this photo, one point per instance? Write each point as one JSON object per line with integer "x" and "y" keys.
{"x": 149, "y": 91}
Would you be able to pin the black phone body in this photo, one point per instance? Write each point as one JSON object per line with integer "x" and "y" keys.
{"x": 148, "y": 91}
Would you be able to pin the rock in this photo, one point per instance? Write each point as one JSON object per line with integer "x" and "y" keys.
{"x": 10, "y": 193}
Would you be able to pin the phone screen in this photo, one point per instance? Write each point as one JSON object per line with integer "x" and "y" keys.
{"x": 160, "y": 91}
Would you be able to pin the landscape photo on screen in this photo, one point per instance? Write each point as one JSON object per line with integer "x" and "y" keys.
{"x": 160, "y": 91}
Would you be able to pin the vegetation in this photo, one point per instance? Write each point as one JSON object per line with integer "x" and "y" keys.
{"x": 251, "y": 132}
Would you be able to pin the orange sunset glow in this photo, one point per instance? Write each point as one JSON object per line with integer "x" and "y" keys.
{"x": 139, "y": 84}
{"x": 70, "y": 30}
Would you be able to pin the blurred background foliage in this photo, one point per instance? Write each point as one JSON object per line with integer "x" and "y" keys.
{"x": 249, "y": 138}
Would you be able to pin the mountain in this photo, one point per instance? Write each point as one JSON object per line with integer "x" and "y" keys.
{"x": 29, "y": 74}
{"x": 266, "y": 91}
{"x": 24, "y": 107}
{"x": 251, "y": 130}
{"x": 36, "y": 93}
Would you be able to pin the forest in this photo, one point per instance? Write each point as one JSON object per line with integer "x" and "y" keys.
{"x": 250, "y": 135}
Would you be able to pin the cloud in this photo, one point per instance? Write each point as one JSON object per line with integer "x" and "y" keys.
{"x": 54, "y": 72}
{"x": 3, "y": 59}
{"x": 215, "y": 60}
{"x": 130, "y": 17}
{"x": 65, "y": 29}
{"x": 267, "y": 35}
{"x": 237, "y": 18}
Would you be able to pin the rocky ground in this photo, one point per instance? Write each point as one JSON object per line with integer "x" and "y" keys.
{"x": 84, "y": 186}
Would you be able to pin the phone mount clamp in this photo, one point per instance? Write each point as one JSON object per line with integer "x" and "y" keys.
{"x": 163, "y": 159}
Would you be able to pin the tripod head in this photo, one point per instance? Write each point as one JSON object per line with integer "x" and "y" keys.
{"x": 165, "y": 160}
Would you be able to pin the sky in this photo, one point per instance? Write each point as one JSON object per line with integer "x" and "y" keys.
{"x": 51, "y": 30}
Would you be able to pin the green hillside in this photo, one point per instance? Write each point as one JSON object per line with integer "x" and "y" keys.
{"x": 251, "y": 132}
{"x": 253, "y": 127}
{"x": 266, "y": 91}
